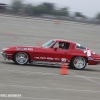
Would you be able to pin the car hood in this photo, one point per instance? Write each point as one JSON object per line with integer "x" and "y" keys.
{"x": 17, "y": 46}
{"x": 20, "y": 47}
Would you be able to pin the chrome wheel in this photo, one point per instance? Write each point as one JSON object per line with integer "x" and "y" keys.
{"x": 21, "y": 58}
{"x": 79, "y": 62}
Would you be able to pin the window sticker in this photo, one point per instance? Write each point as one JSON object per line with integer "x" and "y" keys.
{"x": 48, "y": 58}
{"x": 30, "y": 49}
{"x": 88, "y": 52}
{"x": 63, "y": 59}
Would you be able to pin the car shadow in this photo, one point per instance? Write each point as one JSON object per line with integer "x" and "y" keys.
{"x": 86, "y": 70}
{"x": 91, "y": 70}
{"x": 10, "y": 63}
{"x": 29, "y": 65}
{"x": 45, "y": 66}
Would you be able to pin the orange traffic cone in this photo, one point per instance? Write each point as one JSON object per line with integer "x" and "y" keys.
{"x": 9, "y": 34}
{"x": 57, "y": 21}
{"x": 64, "y": 69}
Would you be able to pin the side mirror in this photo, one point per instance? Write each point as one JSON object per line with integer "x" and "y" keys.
{"x": 55, "y": 48}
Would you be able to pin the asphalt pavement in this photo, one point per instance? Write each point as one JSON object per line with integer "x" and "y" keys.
{"x": 42, "y": 82}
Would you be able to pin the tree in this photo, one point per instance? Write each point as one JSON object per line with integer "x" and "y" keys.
{"x": 48, "y": 6}
{"x": 64, "y": 12}
{"x": 38, "y": 10}
{"x": 61, "y": 12}
{"x": 29, "y": 9}
{"x": 44, "y": 8}
{"x": 98, "y": 16}
{"x": 16, "y": 5}
{"x": 78, "y": 14}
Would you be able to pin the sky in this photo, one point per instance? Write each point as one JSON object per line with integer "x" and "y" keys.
{"x": 88, "y": 7}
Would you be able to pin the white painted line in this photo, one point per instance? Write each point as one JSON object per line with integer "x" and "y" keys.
{"x": 91, "y": 80}
{"x": 28, "y": 72}
{"x": 49, "y": 88}
{"x": 88, "y": 78}
{"x": 42, "y": 73}
{"x": 93, "y": 72}
{"x": 85, "y": 77}
{"x": 32, "y": 98}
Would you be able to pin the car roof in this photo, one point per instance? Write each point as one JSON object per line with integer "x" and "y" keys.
{"x": 63, "y": 40}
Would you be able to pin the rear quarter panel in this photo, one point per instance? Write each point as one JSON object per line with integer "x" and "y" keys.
{"x": 76, "y": 52}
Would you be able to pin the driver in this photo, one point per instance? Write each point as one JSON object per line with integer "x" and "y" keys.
{"x": 60, "y": 45}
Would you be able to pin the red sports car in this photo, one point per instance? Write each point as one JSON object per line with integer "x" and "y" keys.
{"x": 53, "y": 52}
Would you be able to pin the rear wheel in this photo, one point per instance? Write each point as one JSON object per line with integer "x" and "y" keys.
{"x": 78, "y": 63}
{"x": 21, "y": 58}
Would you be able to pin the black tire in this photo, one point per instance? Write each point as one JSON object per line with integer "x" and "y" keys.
{"x": 23, "y": 58}
{"x": 78, "y": 63}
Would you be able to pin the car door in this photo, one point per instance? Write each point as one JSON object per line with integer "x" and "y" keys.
{"x": 39, "y": 54}
{"x": 54, "y": 54}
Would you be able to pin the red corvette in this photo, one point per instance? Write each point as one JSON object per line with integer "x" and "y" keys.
{"x": 53, "y": 52}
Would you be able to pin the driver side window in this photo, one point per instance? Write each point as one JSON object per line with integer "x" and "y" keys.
{"x": 62, "y": 45}
{"x": 56, "y": 45}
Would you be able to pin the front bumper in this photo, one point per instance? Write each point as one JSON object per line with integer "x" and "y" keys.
{"x": 94, "y": 60}
{"x": 6, "y": 56}
{"x": 97, "y": 60}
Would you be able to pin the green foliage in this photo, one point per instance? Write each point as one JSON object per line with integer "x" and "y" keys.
{"x": 78, "y": 14}
{"x": 60, "y": 13}
{"x": 98, "y": 16}
{"x": 48, "y": 6}
{"x": 64, "y": 12}
{"x": 16, "y": 5}
{"x": 44, "y": 8}
{"x": 28, "y": 9}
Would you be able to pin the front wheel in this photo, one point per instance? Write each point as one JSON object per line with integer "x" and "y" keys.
{"x": 21, "y": 58}
{"x": 78, "y": 63}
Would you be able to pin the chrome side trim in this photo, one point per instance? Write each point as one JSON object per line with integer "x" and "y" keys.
{"x": 46, "y": 63}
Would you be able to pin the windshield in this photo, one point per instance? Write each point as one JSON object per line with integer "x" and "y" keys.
{"x": 80, "y": 46}
{"x": 48, "y": 44}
